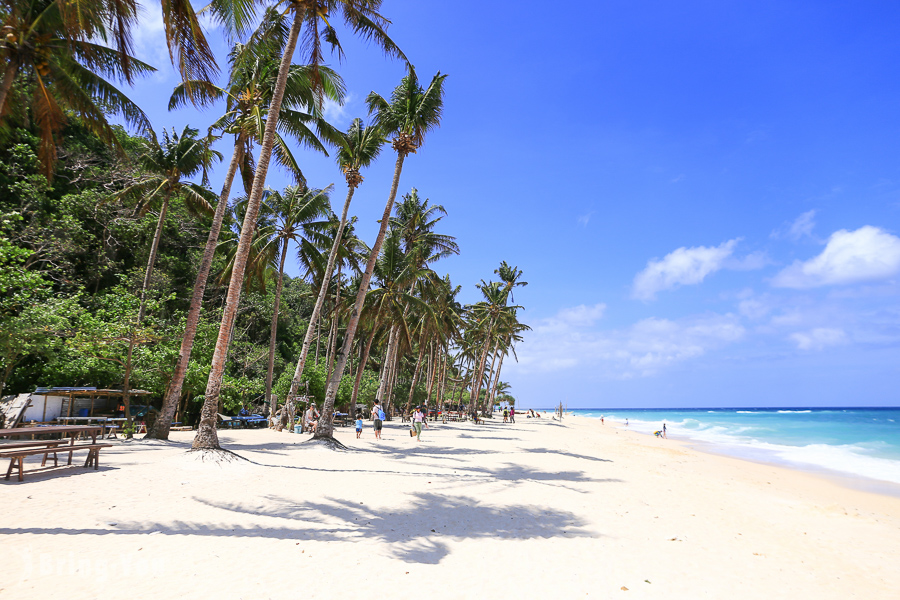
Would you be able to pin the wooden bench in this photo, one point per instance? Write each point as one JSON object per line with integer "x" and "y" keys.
{"x": 17, "y": 456}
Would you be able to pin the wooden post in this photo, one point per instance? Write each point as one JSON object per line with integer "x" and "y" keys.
{"x": 92, "y": 404}
{"x": 44, "y": 413}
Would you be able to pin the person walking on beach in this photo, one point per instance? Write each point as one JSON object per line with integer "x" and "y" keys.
{"x": 358, "y": 425}
{"x": 378, "y": 419}
{"x": 418, "y": 420}
{"x": 512, "y": 414}
{"x": 505, "y": 415}
{"x": 664, "y": 431}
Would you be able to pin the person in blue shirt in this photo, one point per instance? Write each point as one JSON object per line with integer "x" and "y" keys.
{"x": 358, "y": 425}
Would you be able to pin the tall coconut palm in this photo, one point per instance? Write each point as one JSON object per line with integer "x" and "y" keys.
{"x": 297, "y": 211}
{"x": 396, "y": 275}
{"x": 362, "y": 17}
{"x": 247, "y": 97}
{"x": 488, "y": 313}
{"x": 361, "y": 146}
{"x": 59, "y": 47}
{"x": 412, "y": 112}
{"x": 414, "y": 223}
{"x": 416, "y": 220}
{"x": 167, "y": 164}
{"x": 492, "y": 311}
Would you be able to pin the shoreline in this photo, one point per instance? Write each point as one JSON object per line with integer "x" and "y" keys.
{"x": 653, "y": 518}
{"x": 766, "y": 455}
{"x": 858, "y": 482}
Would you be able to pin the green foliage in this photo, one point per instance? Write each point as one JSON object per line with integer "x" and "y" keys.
{"x": 72, "y": 257}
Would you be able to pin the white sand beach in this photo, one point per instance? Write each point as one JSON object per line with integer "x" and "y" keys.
{"x": 535, "y": 509}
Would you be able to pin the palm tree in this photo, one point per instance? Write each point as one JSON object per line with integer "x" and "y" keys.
{"x": 67, "y": 68}
{"x": 362, "y": 17}
{"x": 492, "y": 311}
{"x": 167, "y": 164}
{"x": 296, "y": 213}
{"x": 411, "y": 113}
{"x": 248, "y": 97}
{"x": 487, "y": 314}
{"x": 396, "y": 276}
{"x": 361, "y": 146}
{"x": 416, "y": 221}
{"x": 248, "y": 94}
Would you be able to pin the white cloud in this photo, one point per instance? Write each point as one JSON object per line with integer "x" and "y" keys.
{"x": 751, "y": 262}
{"x": 582, "y": 315}
{"x": 338, "y": 114}
{"x": 585, "y": 218}
{"x": 150, "y": 40}
{"x": 801, "y": 227}
{"x": 566, "y": 341}
{"x": 867, "y": 254}
{"x": 819, "y": 338}
{"x": 684, "y": 266}
{"x": 753, "y": 308}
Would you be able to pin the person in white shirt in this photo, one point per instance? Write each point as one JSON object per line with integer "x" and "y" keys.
{"x": 418, "y": 420}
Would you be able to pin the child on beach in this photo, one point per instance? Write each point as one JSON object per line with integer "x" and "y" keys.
{"x": 358, "y": 426}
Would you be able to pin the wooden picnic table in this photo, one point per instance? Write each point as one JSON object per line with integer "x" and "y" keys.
{"x": 17, "y": 451}
{"x": 72, "y": 431}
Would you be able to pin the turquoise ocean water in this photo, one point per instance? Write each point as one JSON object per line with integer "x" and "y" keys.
{"x": 858, "y": 442}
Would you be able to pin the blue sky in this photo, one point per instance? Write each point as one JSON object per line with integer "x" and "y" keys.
{"x": 704, "y": 196}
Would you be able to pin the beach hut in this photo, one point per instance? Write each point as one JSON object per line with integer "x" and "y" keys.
{"x": 48, "y": 404}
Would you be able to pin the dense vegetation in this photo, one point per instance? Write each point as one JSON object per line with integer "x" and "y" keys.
{"x": 119, "y": 267}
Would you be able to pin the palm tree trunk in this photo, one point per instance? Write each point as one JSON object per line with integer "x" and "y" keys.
{"x": 442, "y": 382}
{"x": 325, "y": 428}
{"x": 9, "y": 75}
{"x": 154, "y": 250}
{"x": 392, "y": 380}
{"x": 412, "y": 386}
{"x": 160, "y": 429}
{"x": 361, "y": 370}
{"x": 273, "y": 335}
{"x": 496, "y": 380}
{"x": 318, "y": 336}
{"x": 476, "y": 387}
{"x": 151, "y": 262}
{"x": 206, "y": 438}
{"x": 435, "y": 369}
{"x": 332, "y": 340}
{"x": 332, "y": 345}
{"x": 490, "y": 376}
{"x": 385, "y": 366}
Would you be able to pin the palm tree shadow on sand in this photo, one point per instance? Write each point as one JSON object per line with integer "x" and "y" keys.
{"x": 418, "y": 532}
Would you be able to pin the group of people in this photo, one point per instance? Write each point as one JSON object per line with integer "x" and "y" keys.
{"x": 509, "y": 414}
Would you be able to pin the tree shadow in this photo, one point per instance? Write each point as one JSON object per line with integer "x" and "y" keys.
{"x": 562, "y": 453}
{"x": 416, "y": 533}
{"x": 515, "y": 475}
